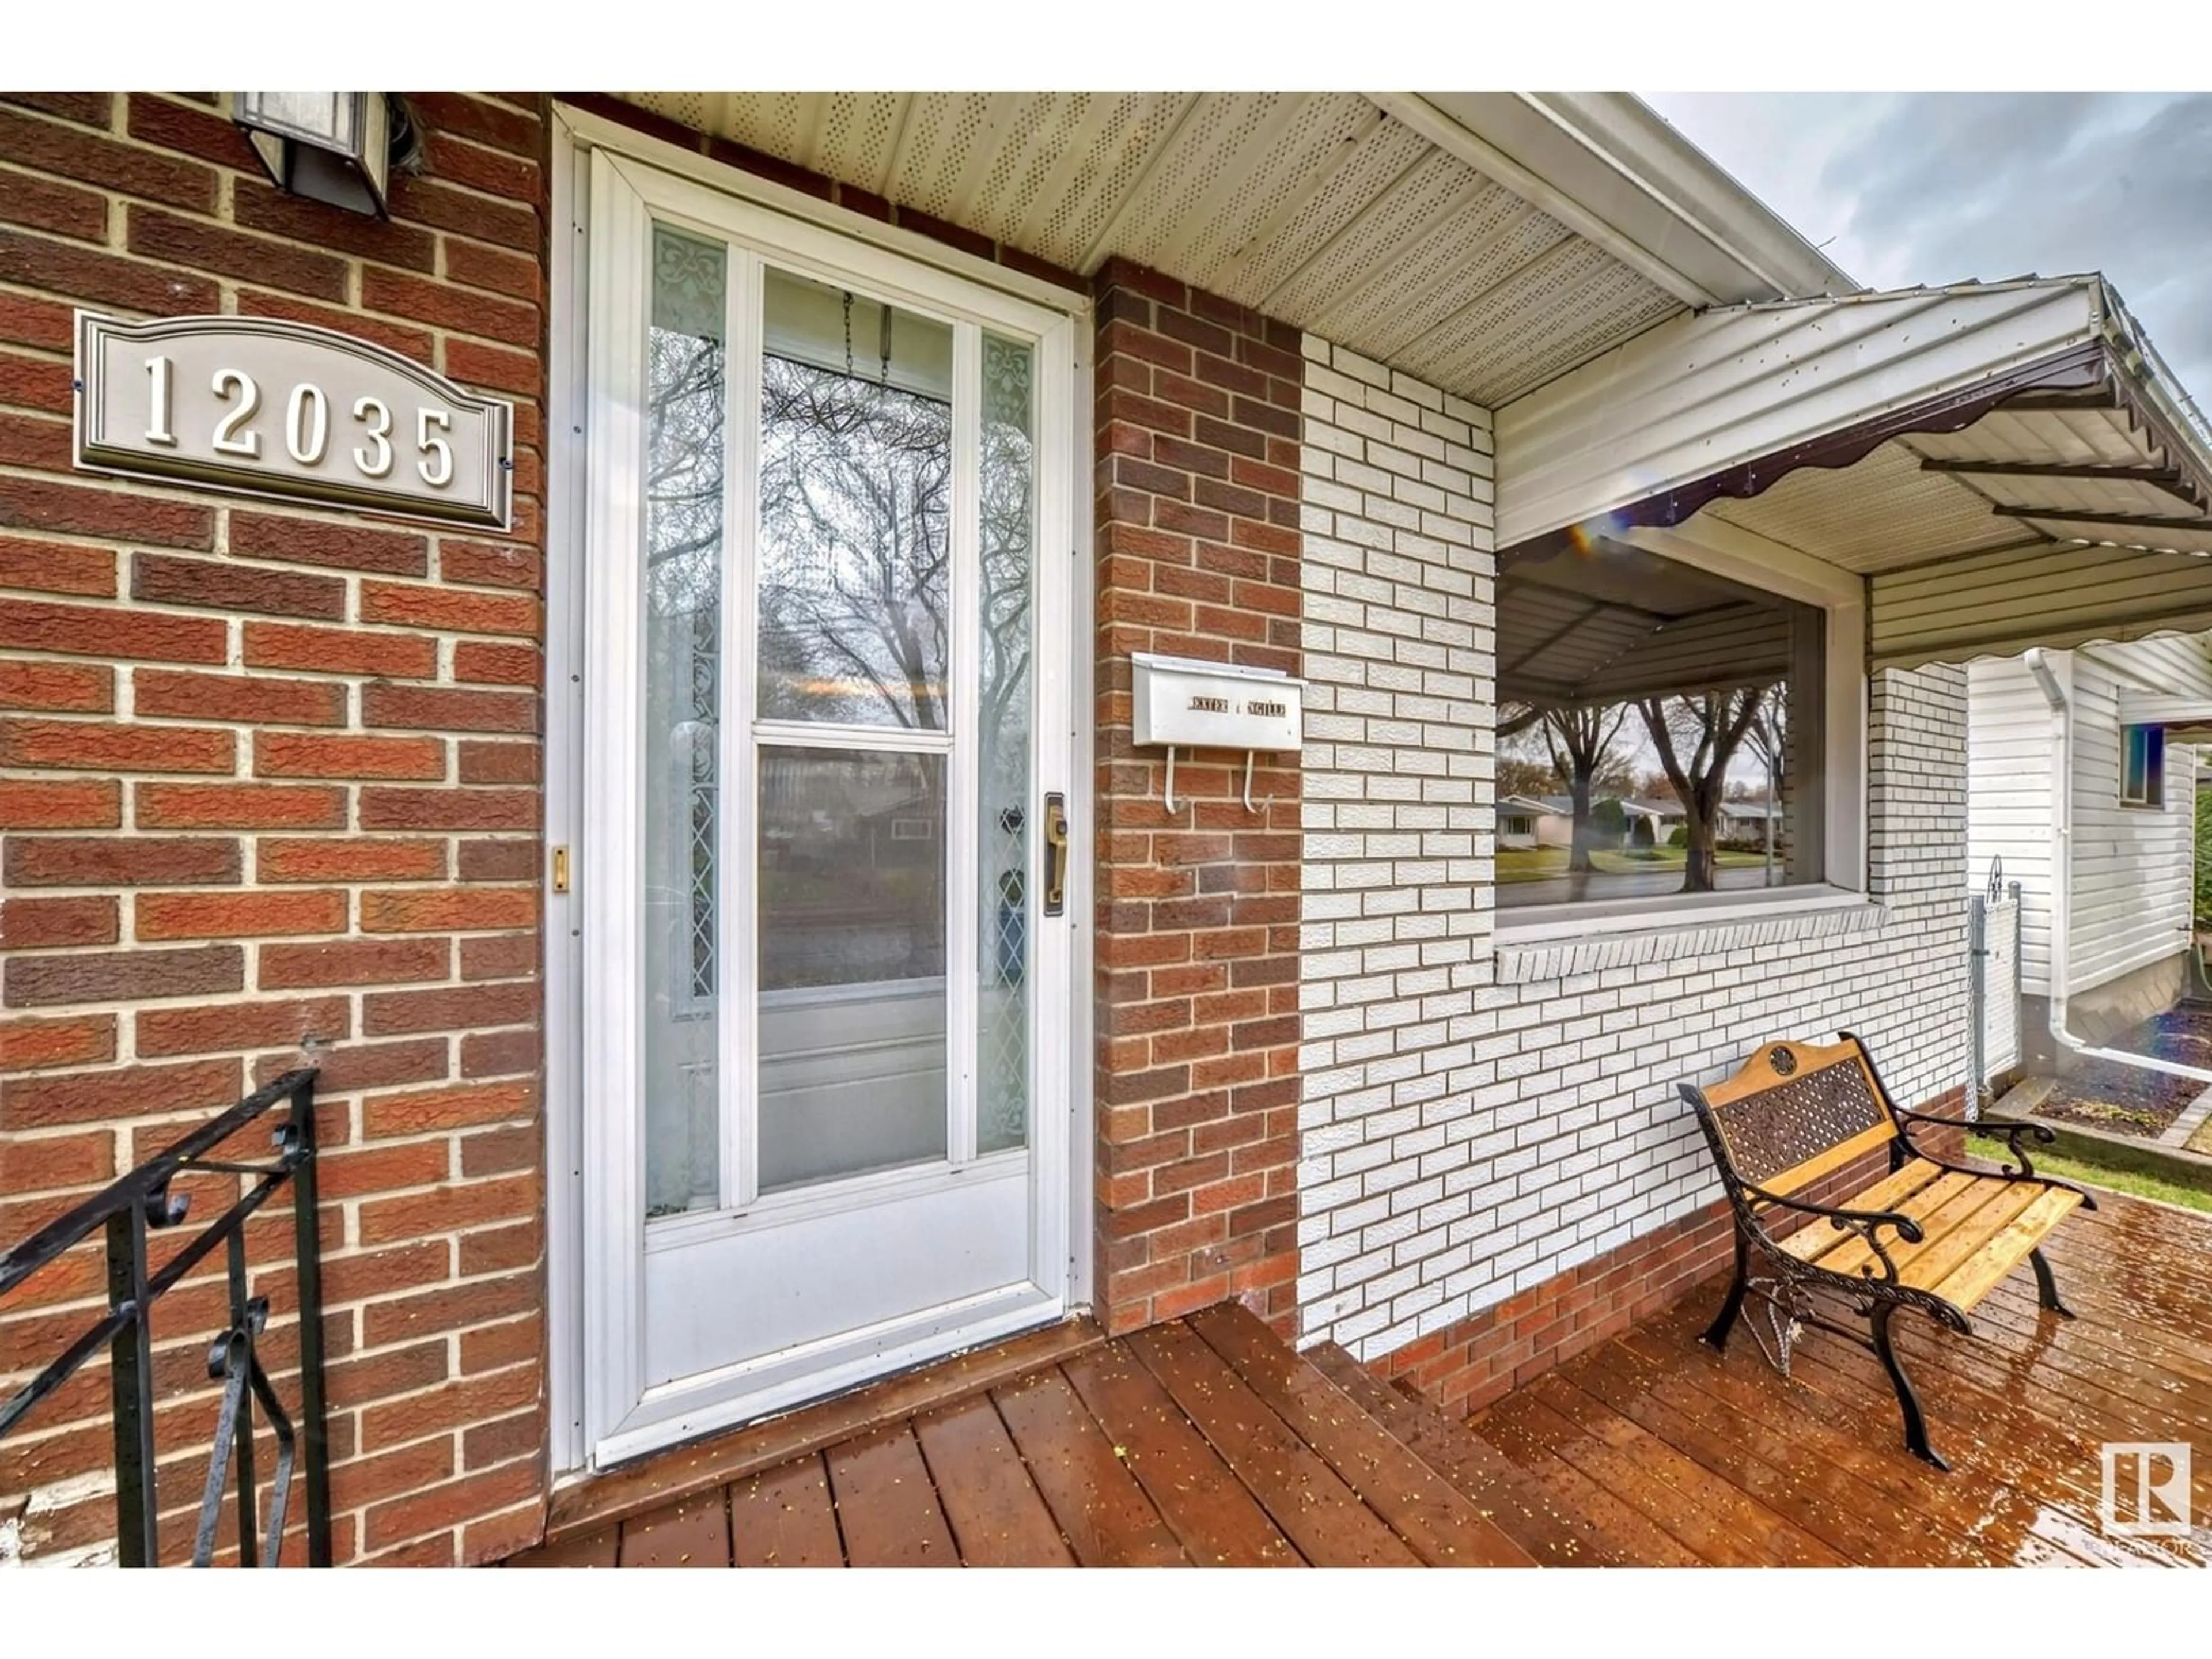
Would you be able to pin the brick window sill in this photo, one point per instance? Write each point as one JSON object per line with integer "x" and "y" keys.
{"x": 1554, "y": 944}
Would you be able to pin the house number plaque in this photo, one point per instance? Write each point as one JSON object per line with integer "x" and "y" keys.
{"x": 261, "y": 406}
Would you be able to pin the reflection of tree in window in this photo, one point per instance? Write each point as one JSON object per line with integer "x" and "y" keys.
{"x": 1697, "y": 736}
{"x": 854, "y": 588}
{"x": 856, "y": 491}
{"x": 855, "y": 549}
{"x": 1651, "y": 704}
{"x": 1006, "y": 507}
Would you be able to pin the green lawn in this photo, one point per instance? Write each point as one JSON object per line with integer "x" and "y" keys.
{"x": 1542, "y": 863}
{"x": 2095, "y": 1175}
{"x": 1531, "y": 864}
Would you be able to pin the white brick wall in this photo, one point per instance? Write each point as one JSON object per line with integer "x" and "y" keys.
{"x": 1478, "y": 1117}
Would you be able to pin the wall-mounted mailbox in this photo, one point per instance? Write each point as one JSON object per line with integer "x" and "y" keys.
{"x": 1186, "y": 703}
{"x": 1209, "y": 705}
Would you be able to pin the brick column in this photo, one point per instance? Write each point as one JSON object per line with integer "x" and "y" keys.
{"x": 1197, "y": 913}
{"x": 269, "y": 780}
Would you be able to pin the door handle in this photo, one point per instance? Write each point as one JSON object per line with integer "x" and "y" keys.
{"x": 1055, "y": 855}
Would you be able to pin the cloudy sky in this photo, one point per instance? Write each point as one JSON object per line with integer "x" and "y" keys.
{"x": 1939, "y": 187}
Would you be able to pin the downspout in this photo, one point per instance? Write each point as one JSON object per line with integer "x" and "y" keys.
{"x": 2062, "y": 876}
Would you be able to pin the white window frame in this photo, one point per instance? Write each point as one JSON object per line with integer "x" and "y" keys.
{"x": 1752, "y": 561}
{"x": 578, "y": 133}
{"x": 2147, "y": 794}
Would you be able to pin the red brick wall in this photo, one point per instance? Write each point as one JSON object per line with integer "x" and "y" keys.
{"x": 1196, "y": 1080}
{"x": 268, "y": 789}
{"x": 1470, "y": 1364}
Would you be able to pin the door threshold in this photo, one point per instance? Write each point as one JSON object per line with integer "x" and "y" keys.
{"x": 590, "y": 1500}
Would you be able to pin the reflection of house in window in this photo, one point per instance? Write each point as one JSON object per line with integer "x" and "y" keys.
{"x": 852, "y": 866}
{"x": 1616, "y": 664}
{"x": 1650, "y": 822}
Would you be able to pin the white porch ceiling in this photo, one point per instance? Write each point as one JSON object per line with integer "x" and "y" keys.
{"x": 1323, "y": 209}
{"x": 1882, "y": 514}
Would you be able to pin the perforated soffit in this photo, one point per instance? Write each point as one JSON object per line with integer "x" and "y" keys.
{"x": 1316, "y": 209}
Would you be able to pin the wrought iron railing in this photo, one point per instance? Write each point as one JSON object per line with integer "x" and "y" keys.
{"x": 130, "y": 1209}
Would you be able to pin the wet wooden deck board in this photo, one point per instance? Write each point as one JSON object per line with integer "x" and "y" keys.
{"x": 1208, "y": 1441}
{"x": 1733, "y": 1462}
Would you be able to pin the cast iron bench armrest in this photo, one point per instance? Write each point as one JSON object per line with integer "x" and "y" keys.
{"x": 2007, "y": 1128}
{"x": 1992, "y": 1126}
{"x": 1864, "y": 1223}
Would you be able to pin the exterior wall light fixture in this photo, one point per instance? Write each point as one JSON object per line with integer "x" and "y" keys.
{"x": 334, "y": 146}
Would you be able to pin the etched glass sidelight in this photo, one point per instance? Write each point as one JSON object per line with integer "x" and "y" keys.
{"x": 1007, "y": 514}
{"x": 685, "y": 425}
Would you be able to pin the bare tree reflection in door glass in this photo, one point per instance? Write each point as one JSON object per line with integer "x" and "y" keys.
{"x": 853, "y": 593}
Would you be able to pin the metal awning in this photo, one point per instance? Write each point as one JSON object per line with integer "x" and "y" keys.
{"x": 2006, "y": 464}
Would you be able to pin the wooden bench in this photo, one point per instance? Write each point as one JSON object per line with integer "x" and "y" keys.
{"x": 1932, "y": 1234}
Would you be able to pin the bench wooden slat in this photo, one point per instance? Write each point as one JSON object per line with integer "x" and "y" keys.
{"x": 1813, "y": 1240}
{"x": 1799, "y": 1176}
{"x": 1854, "y": 1256}
{"x": 1961, "y": 1235}
{"x": 1979, "y": 1274}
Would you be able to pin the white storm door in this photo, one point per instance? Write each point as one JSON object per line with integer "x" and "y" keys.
{"x": 826, "y": 721}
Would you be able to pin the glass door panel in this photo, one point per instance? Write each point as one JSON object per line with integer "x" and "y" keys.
{"x": 855, "y": 509}
{"x": 889, "y": 792}
{"x": 1007, "y": 538}
{"x": 851, "y": 889}
{"x": 855, "y": 633}
{"x": 685, "y": 441}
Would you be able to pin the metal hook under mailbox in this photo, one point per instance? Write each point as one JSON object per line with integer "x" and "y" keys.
{"x": 1167, "y": 796}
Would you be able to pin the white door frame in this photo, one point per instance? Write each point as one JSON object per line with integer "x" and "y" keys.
{"x": 583, "y": 1369}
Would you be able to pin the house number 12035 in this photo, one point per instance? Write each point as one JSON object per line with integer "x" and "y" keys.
{"x": 266, "y": 407}
{"x": 307, "y": 424}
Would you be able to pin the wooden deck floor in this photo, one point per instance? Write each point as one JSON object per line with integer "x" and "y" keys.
{"x": 1208, "y": 1442}
{"x": 1675, "y": 1454}
{"x": 1203, "y": 1442}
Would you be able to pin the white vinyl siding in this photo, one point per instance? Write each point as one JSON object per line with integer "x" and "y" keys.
{"x": 2134, "y": 866}
{"x": 2170, "y": 665}
{"x": 2008, "y": 755}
